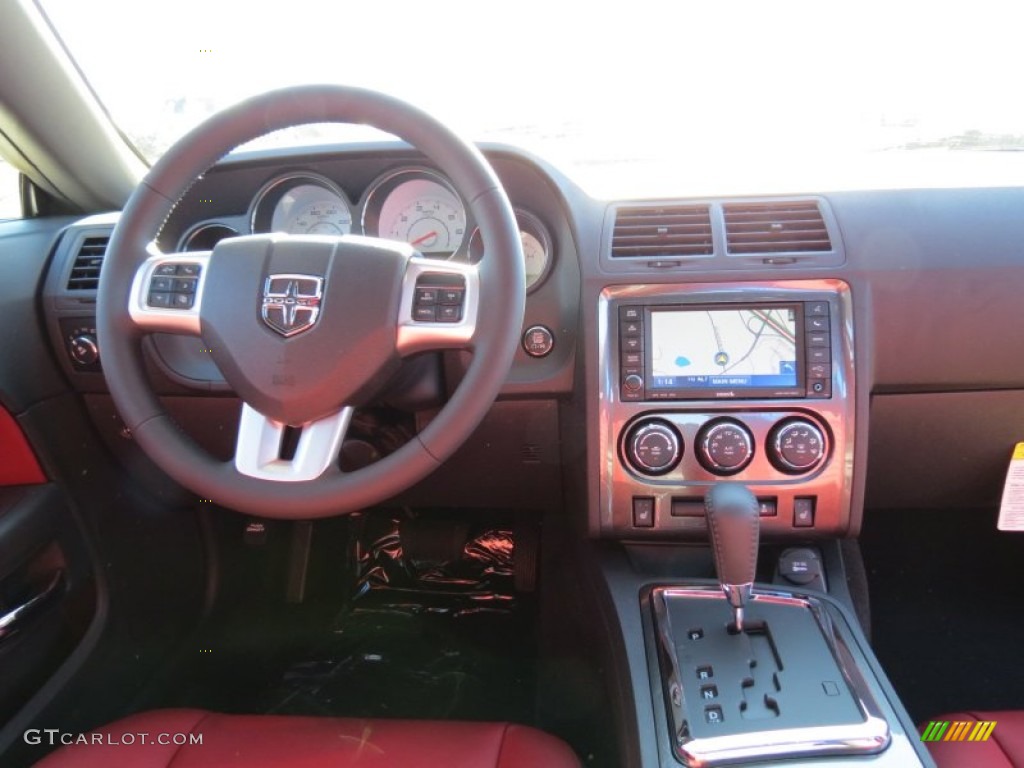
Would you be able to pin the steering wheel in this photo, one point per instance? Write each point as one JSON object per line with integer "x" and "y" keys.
{"x": 304, "y": 328}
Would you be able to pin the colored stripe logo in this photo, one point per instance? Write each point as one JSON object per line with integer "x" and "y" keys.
{"x": 943, "y": 730}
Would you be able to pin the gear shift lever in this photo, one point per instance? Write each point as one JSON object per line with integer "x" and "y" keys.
{"x": 733, "y": 524}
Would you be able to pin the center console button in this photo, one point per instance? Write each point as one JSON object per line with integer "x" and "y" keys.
{"x": 633, "y": 382}
{"x": 724, "y": 446}
{"x": 653, "y": 447}
{"x": 796, "y": 446}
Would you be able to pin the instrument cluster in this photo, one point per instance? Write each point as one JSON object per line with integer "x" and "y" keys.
{"x": 413, "y": 204}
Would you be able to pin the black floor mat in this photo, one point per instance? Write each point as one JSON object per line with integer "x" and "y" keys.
{"x": 947, "y": 600}
{"x": 433, "y": 629}
{"x": 371, "y": 664}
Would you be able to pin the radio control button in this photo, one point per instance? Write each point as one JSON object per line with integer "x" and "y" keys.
{"x": 630, "y": 328}
{"x": 632, "y": 359}
{"x": 819, "y": 355}
{"x": 627, "y": 314}
{"x": 632, "y": 344}
{"x": 816, "y": 308}
{"x": 819, "y": 388}
{"x": 817, "y": 340}
{"x": 818, "y": 323}
{"x": 633, "y": 383}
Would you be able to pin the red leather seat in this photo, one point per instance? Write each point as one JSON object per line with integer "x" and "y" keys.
{"x": 1003, "y": 749}
{"x": 271, "y": 741}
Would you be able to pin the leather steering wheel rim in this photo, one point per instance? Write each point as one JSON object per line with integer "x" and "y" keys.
{"x": 494, "y": 341}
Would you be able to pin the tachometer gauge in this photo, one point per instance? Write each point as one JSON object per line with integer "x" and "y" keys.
{"x": 205, "y": 237}
{"x": 417, "y": 207}
{"x": 302, "y": 204}
{"x": 537, "y": 250}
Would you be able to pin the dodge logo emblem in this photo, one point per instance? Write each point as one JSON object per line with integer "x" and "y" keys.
{"x": 291, "y": 303}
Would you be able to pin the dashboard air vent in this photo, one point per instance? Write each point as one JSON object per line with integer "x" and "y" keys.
{"x": 776, "y": 227}
{"x": 662, "y": 232}
{"x": 85, "y": 273}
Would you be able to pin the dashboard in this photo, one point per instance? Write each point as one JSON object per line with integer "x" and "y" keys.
{"x": 667, "y": 344}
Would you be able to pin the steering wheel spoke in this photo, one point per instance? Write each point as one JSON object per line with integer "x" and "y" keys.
{"x": 439, "y": 306}
{"x": 271, "y": 450}
{"x": 167, "y": 291}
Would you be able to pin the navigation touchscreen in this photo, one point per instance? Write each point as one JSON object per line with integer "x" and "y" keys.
{"x": 700, "y": 349}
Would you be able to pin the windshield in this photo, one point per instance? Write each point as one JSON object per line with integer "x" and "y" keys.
{"x": 637, "y": 98}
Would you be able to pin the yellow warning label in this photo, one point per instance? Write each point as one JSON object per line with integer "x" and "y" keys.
{"x": 1018, "y": 452}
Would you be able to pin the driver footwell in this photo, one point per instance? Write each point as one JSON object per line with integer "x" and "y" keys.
{"x": 428, "y": 624}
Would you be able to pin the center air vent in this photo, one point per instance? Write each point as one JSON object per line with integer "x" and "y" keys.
{"x": 776, "y": 227}
{"x": 662, "y": 232}
{"x": 85, "y": 273}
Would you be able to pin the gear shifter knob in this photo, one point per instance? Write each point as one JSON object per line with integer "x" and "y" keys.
{"x": 733, "y": 524}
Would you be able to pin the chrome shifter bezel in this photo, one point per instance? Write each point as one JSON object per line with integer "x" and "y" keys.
{"x": 871, "y": 736}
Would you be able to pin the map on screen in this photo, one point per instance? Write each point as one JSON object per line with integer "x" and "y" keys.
{"x": 751, "y": 347}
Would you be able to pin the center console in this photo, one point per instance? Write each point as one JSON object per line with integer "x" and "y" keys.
{"x": 727, "y": 411}
{"x": 742, "y": 381}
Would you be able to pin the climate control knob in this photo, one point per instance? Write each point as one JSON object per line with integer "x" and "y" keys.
{"x": 796, "y": 446}
{"x": 724, "y": 446}
{"x": 653, "y": 447}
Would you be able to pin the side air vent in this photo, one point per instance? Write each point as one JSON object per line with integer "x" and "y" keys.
{"x": 662, "y": 232}
{"x": 776, "y": 227}
{"x": 85, "y": 273}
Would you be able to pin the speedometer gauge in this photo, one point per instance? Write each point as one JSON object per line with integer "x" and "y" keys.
{"x": 301, "y": 204}
{"x": 537, "y": 249}
{"x": 417, "y": 207}
{"x": 311, "y": 210}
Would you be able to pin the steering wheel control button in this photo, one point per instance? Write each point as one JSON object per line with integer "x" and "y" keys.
{"x": 538, "y": 341}
{"x": 161, "y": 284}
{"x": 173, "y": 286}
{"x": 643, "y": 512}
{"x": 182, "y": 300}
{"x": 653, "y": 447}
{"x": 724, "y": 446}
{"x": 184, "y": 285}
{"x": 426, "y": 297}
{"x": 796, "y": 446}
{"x": 803, "y": 512}
{"x": 449, "y": 314}
{"x": 450, "y": 296}
{"x": 438, "y": 298}
{"x": 426, "y": 313}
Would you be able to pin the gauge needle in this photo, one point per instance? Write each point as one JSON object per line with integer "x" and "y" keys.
{"x": 423, "y": 238}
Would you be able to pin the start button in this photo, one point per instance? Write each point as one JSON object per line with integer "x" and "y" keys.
{"x": 538, "y": 341}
